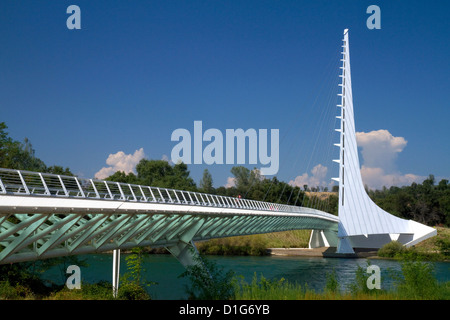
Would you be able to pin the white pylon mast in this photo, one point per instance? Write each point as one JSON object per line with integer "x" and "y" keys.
{"x": 362, "y": 224}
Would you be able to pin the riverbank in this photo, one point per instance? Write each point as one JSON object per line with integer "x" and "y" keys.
{"x": 295, "y": 243}
{"x": 316, "y": 252}
{"x": 326, "y": 252}
{"x": 254, "y": 244}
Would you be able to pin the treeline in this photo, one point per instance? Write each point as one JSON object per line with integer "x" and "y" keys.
{"x": 427, "y": 202}
{"x": 248, "y": 184}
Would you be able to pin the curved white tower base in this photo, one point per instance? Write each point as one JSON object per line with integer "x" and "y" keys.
{"x": 362, "y": 223}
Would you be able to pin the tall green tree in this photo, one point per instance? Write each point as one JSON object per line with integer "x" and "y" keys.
{"x": 153, "y": 172}
{"x": 181, "y": 178}
{"x": 245, "y": 178}
{"x": 206, "y": 183}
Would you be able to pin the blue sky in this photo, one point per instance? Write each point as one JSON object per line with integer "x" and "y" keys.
{"x": 138, "y": 70}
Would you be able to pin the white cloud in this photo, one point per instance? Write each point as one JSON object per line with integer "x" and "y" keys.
{"x": 379, "y": 151}
{"x": 104, "y": 173}
{"x": 316, "y": 179}
{"x": 120, "y": 162}
{"x": 231, "y": 182}
{"x": 380, "y": 148}
{"x": 376, "y": 178}
{"x": 166, "y": 158}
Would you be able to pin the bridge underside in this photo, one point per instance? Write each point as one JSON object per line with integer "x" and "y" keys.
{"x": 27, "y": 237}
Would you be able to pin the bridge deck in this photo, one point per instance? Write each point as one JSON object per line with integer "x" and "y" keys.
{"x": 46, "y": 215}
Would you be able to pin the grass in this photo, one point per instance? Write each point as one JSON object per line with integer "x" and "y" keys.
{"x": 438, "y": 244}
{"x": 98, "y": 291}
{"x": 254, "y": 244}
{"x": 263, "y": 289}
{"x": 414, "y": 282}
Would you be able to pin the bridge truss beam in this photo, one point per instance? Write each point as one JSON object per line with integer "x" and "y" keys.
{"x": 26, "y": 237}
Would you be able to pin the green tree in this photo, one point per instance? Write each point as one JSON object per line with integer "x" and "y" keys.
{"x": 153, "y": 172}
{"x": 59, "y": 170}
{"x": 242, "y": 177}
{"x": 181, "y": 179}
{"x": 206, "y": 183}
{"x": 120, "y": 176}
{"x": 424, "y": 202}
{"x": 158, "y": 173}
{"x": 246, "y": 180}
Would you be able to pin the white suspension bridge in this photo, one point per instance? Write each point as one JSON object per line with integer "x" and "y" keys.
{"x": 46, "y": 215}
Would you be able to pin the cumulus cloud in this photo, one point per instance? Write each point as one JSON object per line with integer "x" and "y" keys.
{"x": 377, "y": 178}
{"x": 120, "y": 162}
{"x": 380, "y": 149}
{"x": 231, "y": 182}
{"x": 316, "y": 179}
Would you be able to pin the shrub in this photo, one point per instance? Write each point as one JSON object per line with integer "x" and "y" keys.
{"x": 132, "y": 285}
{"x": 96, "y": 291}
{"x": 17, "y": 292}
{"x": 130, "y": 290}
{"x": 418, "y": 281}
{"x": 332, "y": 284}
{"x": 444, "y": 246}
{"x": 360, "y": 284}
{"x": 209, "y": 281}
{"x": 99, "y": 291}
{"x": 391, "y": 249}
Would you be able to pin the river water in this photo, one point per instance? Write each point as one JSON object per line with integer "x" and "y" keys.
{"x": 165, "y": 270}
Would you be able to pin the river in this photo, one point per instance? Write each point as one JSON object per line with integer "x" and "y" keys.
{"x": 165, "y": 270}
